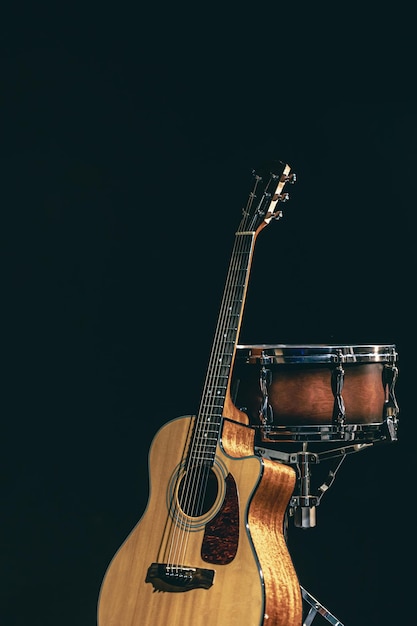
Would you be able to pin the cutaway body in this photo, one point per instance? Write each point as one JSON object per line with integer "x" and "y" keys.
{"x": 227, "y": 566}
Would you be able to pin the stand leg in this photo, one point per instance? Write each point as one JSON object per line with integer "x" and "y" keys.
{"x": 316, "y": 607}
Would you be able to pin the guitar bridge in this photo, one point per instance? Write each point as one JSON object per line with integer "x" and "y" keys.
{"x": 178, "y": 578}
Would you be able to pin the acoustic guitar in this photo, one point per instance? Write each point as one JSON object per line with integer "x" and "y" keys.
{"x": 210, "y": 548}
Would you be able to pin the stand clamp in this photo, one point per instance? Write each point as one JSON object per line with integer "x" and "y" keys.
{"x": 302, "y": 507}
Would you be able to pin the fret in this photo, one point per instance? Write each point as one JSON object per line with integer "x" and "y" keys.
{"x": 203, "y": 444}
{"x": 221, "y": 368}
{"x": 206, "y": 431}
{"x": 207, "y": 434}
{"x": 231, "y": 341}
{"x": 206, "y": 447}
{"x": 202, "y": 438}
{"x": 234, "y": 313}
{"x": 217, "y": 379}
{"x": 209, "y": 407}
{"x": 220, "y": 364}
{"x": 216, "y": 395}
{"x": 237, "y": 301}
{"x": 206, "y": 458}
{"x": 214, "y": 398}
{"x": 201, "y": 431}
{"x": 239, "y": 282}
{"x": 218, "y": 371}
{"x": 215, "y": 392}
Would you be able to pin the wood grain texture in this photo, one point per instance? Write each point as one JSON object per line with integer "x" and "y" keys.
{"x": 266, "y": 523}
{"x": 303, "y": 395}
{"x": 254, "y": 589}
{"x": 236, "y": 597}
{"x": 283, "y": 601}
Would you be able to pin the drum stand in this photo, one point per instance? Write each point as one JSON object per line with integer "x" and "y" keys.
{"x": 316, "y": 608}
{"x": 302, "y": 507}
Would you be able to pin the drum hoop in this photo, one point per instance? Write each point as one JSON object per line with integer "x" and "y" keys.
{"x": 324, "y": 432}
{"x": 316, "y": 353}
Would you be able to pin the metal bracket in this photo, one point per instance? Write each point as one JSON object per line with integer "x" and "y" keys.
{"x": 316, "y": 608}
{"x": 302, "y": 506}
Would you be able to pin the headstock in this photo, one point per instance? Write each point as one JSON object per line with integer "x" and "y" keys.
{"x": 265, "y": 197}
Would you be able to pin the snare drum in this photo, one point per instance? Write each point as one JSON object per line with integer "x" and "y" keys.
{"x": 317, "y": 392}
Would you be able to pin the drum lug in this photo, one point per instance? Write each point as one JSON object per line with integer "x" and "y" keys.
{"x": 266, "y": 413}
{"x": 391, "y": 410}
{"x": 339, "y": 411}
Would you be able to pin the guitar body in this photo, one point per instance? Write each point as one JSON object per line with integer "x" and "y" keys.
{"x": 243, "y": 573}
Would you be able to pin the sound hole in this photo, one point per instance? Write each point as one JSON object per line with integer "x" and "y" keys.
{"x": 197, "y": 491}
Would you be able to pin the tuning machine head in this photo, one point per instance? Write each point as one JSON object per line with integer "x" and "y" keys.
{"x": 289, "y": 178}
{"x": 281, "y": 197}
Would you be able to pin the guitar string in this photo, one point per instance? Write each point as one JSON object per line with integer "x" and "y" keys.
{"x": 208, "y": 427}
{"x": 195, "y": 480}
{"x": 196, "y": 477}
{"x": 227, "y": 316}
{"x": 205, "y": 429}
{"x": 199, "y": 486}
{"x": 193, "y": 487}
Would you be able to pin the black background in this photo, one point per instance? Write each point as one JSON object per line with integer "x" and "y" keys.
{"x": 128, "y": 142}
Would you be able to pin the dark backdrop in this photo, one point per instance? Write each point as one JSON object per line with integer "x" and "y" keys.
{"x": 128, "y": 143}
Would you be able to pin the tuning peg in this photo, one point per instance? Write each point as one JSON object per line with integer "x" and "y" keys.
{"x": 282, "y": 197}
{"x": 290, "y": 178}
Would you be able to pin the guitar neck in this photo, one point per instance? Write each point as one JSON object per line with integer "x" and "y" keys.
{"x": 256, "y": 216}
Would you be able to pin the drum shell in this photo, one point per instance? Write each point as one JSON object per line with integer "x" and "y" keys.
{"x": 302, "y": 394}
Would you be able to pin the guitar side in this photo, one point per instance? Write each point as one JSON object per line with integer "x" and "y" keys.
{"x": 283, "y": 600}
{"x": 236, "y": 596}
